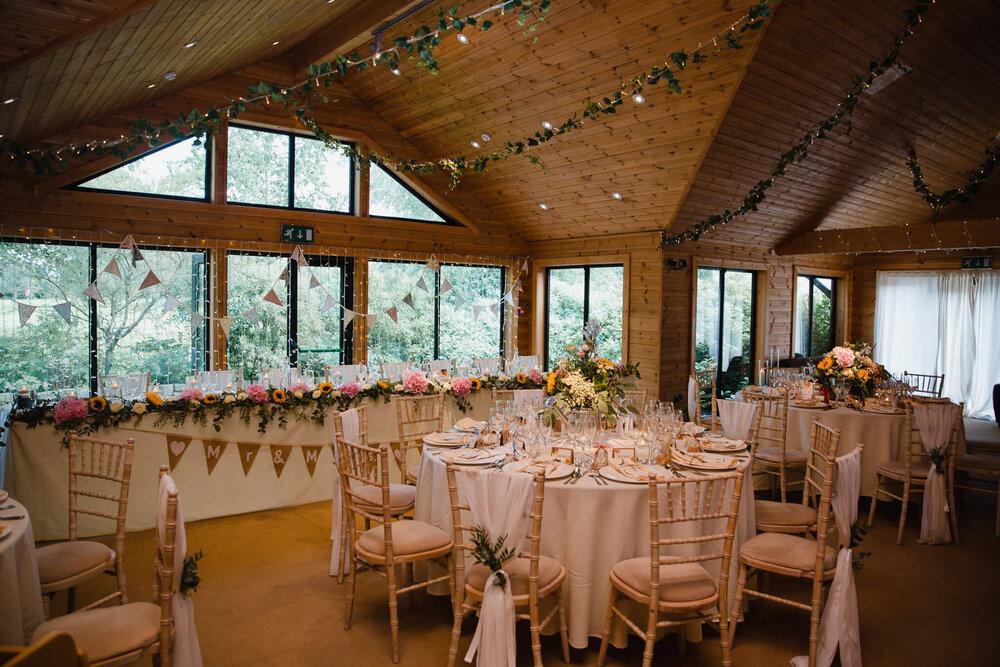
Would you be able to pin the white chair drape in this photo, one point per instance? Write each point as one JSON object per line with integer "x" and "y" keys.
{"x": 839, "y": 627}
{"x": 737, "y": 418}
{"x": 186, "y": 650}
{"x": 693, "y": 407}
{"x": 500, "y": 504}
{"x": 936, "y": 424}
{"x": 351, "y": 426}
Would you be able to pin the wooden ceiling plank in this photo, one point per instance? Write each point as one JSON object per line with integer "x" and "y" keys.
{"x": 946, "y": 235}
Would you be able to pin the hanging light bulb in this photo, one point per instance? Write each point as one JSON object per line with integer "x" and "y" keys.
{"x": 462, "y": 37}
{"x": 485, "y": 136}
{"x": 395, "y": 70}
{"x": 475, "y": 144}
{"x": 616, "y": 195}
{"x": 638, "y": 98}
{"x": 543, "y": 206}
{"x": 547, "y": 125}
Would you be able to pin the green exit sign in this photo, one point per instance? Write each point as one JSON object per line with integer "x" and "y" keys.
{"x": 297, "y": 234}
{"x": 981, "y": 262}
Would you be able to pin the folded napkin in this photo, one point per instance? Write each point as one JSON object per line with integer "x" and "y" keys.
{"x": 469, "y": 424}
{"x": 637, "y": 471}
{"x": 468, "y": 455}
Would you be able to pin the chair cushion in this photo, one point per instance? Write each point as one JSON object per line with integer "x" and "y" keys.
{"x": 897, "y": 469}
{"x": 679, "y": 582}
{"x": 412, "y": 475}
{"x": 772, "y": 513}
{"x": 982, "y": 461}
{"x": 790, "y": 551}
{"x": 63, "y": 560}
{"x": 519, "y": 570}
{"x": 107, "y": 631}
{"x": 401, "y": 498}
{"x": 773, "y": 455}
{"x": 408, "y": 537}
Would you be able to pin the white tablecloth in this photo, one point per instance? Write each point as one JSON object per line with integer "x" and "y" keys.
{"x": 883, "y": 436}
{"x": 37, "y": 468}
{"x": 588, "y": 528}
{"x": 20, "y": 594}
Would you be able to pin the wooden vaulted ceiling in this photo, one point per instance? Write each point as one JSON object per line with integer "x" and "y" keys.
{"x": 675, "y": 159}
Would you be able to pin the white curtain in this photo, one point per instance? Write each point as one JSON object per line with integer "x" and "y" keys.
{"x": 942, "y": 322}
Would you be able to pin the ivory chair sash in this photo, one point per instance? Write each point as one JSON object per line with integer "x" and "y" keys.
{"x": 393, "y": 371}
{"x": 441, "y": 367}
{"x": 694, "y": 408}
{"x": 937, "y": 425}
{"x": 348, "y": 372}
{"x": 350, "y": 431}
{"x": 186, "y": 649}
{"x": 737, "y": 418}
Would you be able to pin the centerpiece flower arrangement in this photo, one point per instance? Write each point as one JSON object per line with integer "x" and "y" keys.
{"x": 852, "y": 365}
{"x": 584, "y": 380}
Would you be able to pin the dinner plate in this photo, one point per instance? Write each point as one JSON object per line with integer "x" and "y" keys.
{"x": 704, "y": 461}
{"x": 874, "y": 411}
{"x": 473, "y": 457}
{"x": 810, "y": 405}
{"x": 607, "y": 472}
{"x": 468, "y": 425}
{"x": 558, "y": 472}
{"x": 5, "y": 529}
{"x": 447, "y": 439}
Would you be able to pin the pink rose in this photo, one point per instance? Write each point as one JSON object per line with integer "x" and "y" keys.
{"x": 350, "y": 389}
{"x": 69, "y": 409}
{"x": 191, "y": 394}
{"x": 415, "y": 382}
{"x": 844, "y": 356}
{"x": 257, "y": 393}
{"x": 461, "y": 386}
{"x": 298, "y": 386}
{"x": 535, "y": 376}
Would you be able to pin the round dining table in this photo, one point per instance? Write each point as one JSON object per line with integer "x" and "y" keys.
{"x": 587, "y": 526}
{"x": 20, "y": 593}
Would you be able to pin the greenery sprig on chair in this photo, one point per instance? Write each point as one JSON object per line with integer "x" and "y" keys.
{"x": 491, "y": 555}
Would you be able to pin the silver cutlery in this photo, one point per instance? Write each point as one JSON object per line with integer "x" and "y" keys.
{"x": 7, "y": 507}
{"x": 12, "y": 517}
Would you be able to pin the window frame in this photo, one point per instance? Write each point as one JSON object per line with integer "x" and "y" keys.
{"x": 206, "y": 146}
{"x": 447, "y": 220}
{"x": 586, "y": 301}
{"x": 834, "y": 313}
{"x": 352, "y": 204}
{"x": 754, "y": 312}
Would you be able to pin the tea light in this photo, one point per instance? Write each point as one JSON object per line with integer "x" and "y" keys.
{"x": 24, "y": 389}
{"x": 267, "y": 378}
{"x": 229, "y": 386}
{"x": 114, "y": 386}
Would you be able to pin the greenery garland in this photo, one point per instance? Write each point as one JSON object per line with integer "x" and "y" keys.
{"x": 975, "y": 185}
{"x": 798, "y": 152}
{"x": 300, "y": 99}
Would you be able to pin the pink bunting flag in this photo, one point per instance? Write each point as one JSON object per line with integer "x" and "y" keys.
{"x": 494, "y": 308}
{"x": 348, "y": 316}
{"x": 284, "y": 274}
{"x": 328, "y": 304}
{"x": 433, "y": 264}
{"x": 127, "y": 243}
{"x": 445, "y": 286}
{"x": 392, "y": 314}
{"x": 297, "y": 255}
{"x": 524, "y": 267}
{"x": 149, "y": 281}
{"x": 408, "y": 300}
{"x": 64, "y": 310}
{"x": 112, "y": 268}
{"x": 24, "y": 311}
{"x": 271, "y": 297}
{"x": 370, "y": 321}
{"x": 226, "y": 323}
{"x": 94, "y": 293}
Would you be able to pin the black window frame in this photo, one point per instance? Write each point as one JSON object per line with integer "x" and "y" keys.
{"x": 752, "y": 361}
{"x": 586, "y": 299}
{"x": 809, "y": 320}
{"x": 291, "y": 135}
{"x": 206, "y": 145}
{"x": 447, "y": 219}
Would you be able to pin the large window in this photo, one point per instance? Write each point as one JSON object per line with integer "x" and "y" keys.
{"x": 815, "y": 315}
{"x": 388, "y": 197}
{"x": 178, "y": 170}
{"x": 271, "y": 168}
{"x": 458, "y": 323}
{"x": 576, "y": 295}
{"x": 724, "y": 330}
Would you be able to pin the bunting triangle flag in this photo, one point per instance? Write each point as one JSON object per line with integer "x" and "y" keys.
{"x": 176, "y": 446}
{"x": 128, "y": 243}
{"x": 149, "y": 280}
{"x": 112, "y": 268}
{"x": 475, "y": 312}
{"x": 445, "y": 286}
{"x": 392, "y": 314}
{"x": 509, "y": 298}
{"x": 248, "y": 452}
{"x": 170, "y": 303}
{"x": 64, "y": 310}
{"x": 284, "y": 274}
{"x": 196, "y": 321}
{"x": 348, "y": 316}
{"x": 328, "y": 304}
{"x": 136, "y": 257}
{"x": 24, "y": 311}
{"x": 524, "y": 267}
{"x": 459, "y": 301}
{"x": 313, "y": 283}
{"x": 370, "y": 321}
{"x": 433, "y": 264}
{"x": 225, "y": 324}
{"x": 421, "y": 284}
{"x": 213, "y": 452}
{"x": 311, "y": 455}
{"x": 408, "y": 300}
{"x": 252, "y": 315}
{"x": 518, "y": 285}
{"x": 494, "y": 308}
{"x": 279, "y": 457}
{"x": 297, "y": 255}
{"x": 93, "y": 292}
{"x": 271, "y": 297}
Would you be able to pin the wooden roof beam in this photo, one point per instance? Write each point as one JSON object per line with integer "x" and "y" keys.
{"x": 359, "y": 20}
{"x": 940, "y": 235}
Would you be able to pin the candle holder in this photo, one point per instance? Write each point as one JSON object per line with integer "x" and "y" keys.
{"x": 25, "y": 399}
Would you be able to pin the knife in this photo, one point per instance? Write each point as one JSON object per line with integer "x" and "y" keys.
{"x": 12, "y": 517}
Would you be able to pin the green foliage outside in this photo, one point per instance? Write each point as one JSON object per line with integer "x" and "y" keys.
{"x": 566, "y": 305}
{"x": 822, "y": 316}
{"x": 390, "y": 199}
{"x": 734, "y": 370}
{"x": 177, "y": 170}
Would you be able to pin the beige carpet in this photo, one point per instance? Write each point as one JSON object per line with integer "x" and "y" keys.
{"x": 266, "y": 599}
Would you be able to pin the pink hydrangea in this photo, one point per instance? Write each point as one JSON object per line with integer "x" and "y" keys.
{"x": 191, "y": 394}
{"x": 350, "y": 389}
{"x": 461, "y": 386}
{"x": 415, "y": 382}
{"x": 535, "y": 376}
{"x": 257, "y": 393}
{"x": 844, "y": 356}
{"x": 298, "y": 386}
{"x": 69, "y": 409}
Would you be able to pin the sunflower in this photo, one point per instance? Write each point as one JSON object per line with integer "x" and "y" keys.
{"x": 97, "y": 404}
{"x": 210, "y": 399}
{"x": 550, "y": 383}
{"x": 444, "y": 372}
{"x": 154, "y": 398}
{"x": 863, "y": 375}
{"x": 325, "y": 387}
{"x": 278, "y": 396}
{"x": 476, "y": 384}
{"x": 825, "y": 364}
{"x": 520, "y": 378}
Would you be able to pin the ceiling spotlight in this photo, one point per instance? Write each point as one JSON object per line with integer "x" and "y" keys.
{"x": 193, "y": 42}
{"x": 485, "y": 137}
{"x": 152, "y": 85}
{"x": 462, "y": 37}
{"x": 544, "y": 207}
{"x": 475, "y": 144}
{"x": 616, "y": 195}
{"x": 395, "y": 70}
{"x": 276, "y": 42}
{"x": 547, "y": 125}
{"x": 638, "y": 98}
{"x": 170, "y": 76}
{"x": 10, "y": 100}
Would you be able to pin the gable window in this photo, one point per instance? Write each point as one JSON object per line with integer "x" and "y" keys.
{"x": 178, "y": 171}
{"x": 389, "y": 197}
{"x": 286, "y": 170}
{"x": 576, "y": 295}
{"x": 724, "y": 327}
{"x": 815, "y": 315}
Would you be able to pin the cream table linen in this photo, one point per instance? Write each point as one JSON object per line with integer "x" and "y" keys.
{"x": 20, "y": 593}
{"x": 588, "y": 528}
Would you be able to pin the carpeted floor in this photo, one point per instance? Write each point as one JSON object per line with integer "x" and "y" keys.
{"x": 266, "y": 599}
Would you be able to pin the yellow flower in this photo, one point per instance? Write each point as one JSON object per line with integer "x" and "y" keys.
{"x": 444, "y": 371}
{"x": 383, "y": 385}
{"x": 325, "y": 387}
{"x": 825, "y": 364}
{"x": 278, "y": 396}
{"x": 476, "y": 384}
{"x": 97, "y": 404}
{"x": 154, "y": 398}
{"x": 210, "y": 399}
{"x": 863, "y": 375}
{"x": 520, "y": 378}
{"x": 551, "y": 383}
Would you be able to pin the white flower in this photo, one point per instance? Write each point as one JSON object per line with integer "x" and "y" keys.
{"x": 336, "y": 393}
{"x": 138, "y": 408}
{"x": 366, "y": 386}
{"x": 445, "y": 386}
{"x": 398, "y": 387}
{"x": 229, "y": 399}
{"x": 503, "y": 378}
{"x": 242, "y": 396}
{"x": 298, "y": 394}
{"x": 194, "y": 404}
{"x": 317, "y": 394}
{"x": 116, "y": 406}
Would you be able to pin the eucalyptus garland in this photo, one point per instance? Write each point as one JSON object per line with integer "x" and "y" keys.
{"x": 798, "y": 152}
{"x": 975, "y": 185}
